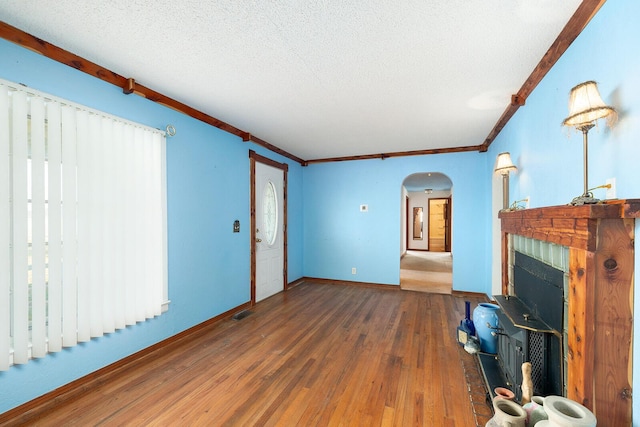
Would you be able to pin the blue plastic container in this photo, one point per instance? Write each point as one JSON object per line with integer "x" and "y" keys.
{"x": 485, "y": 319}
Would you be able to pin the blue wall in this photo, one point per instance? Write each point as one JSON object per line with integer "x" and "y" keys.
{"x": 337, "y": 236}
{"x": 549, "y": 157}
{"x": 207, "y": 189}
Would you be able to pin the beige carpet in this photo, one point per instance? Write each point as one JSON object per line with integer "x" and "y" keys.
{"x": 426, "y": 272}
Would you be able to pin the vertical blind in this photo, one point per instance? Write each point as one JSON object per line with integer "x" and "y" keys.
{"x": 82, "y": 224}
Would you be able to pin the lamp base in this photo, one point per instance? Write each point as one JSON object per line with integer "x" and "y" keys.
{"x": 585, "y": 199}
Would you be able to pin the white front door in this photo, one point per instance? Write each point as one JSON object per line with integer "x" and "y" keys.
{"x": 269, "y": 235}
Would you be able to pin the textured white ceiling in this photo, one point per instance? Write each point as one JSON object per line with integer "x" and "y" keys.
{"x": 323, "y": 78}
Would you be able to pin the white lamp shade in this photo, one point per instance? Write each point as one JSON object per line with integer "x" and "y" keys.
{"x": 586, "y": 105}
{"x": 504, "y": 165}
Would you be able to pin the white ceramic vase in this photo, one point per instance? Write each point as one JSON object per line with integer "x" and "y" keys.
{"x": 563, "y": 412}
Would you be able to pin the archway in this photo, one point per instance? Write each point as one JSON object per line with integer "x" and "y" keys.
{"x": 426, "y": 262}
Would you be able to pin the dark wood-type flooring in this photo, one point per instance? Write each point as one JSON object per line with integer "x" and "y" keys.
{"x": 317, "y": 355}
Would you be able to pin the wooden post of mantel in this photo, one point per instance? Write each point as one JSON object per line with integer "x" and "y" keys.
{"x": 601, "y": 265}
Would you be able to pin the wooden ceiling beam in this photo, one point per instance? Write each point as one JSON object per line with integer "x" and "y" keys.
{"x": 577, "y": 23}
{"x": 383, "y": 156}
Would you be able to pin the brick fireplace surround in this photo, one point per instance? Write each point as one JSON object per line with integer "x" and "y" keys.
{"x": 600, "y": 239}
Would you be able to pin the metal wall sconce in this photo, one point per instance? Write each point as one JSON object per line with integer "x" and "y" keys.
{"x": 503, "y": 166}
{"x": 585, "y": 108}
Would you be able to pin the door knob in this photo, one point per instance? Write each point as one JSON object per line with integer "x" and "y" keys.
{"x": 258, "y": 239}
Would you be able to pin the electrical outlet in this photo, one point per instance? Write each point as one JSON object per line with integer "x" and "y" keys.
{"x": 611, "y": 191}
{"x": 353, "y": 270}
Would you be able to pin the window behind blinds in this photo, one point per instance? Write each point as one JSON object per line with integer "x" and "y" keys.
{"x": 82, "y": 224}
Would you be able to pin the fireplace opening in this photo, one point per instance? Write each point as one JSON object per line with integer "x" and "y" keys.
{"x": 531, "y": 325}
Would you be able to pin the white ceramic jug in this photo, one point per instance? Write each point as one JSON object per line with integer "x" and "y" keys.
{"x": 563, "y": 412}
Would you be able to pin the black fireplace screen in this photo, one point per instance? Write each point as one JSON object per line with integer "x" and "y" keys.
{"x": 540, "y": 288}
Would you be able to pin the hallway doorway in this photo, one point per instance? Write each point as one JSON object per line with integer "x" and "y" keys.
{"x": 426, "y": 258}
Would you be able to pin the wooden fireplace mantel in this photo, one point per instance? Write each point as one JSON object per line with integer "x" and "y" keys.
{"x": 572, "y": 226}
{"x": 600, "y": 239}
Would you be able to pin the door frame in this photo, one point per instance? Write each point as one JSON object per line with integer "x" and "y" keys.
{"x": 406, "y": 231}
{"x": 447, "y": 224}
{"x": 253, "y": 158}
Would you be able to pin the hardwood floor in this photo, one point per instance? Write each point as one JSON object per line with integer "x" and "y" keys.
{"x": 317, "y": 355}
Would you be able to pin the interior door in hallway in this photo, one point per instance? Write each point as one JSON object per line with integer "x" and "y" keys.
{"x": 269, "y": 231}
{"x": 439, "y": 220}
